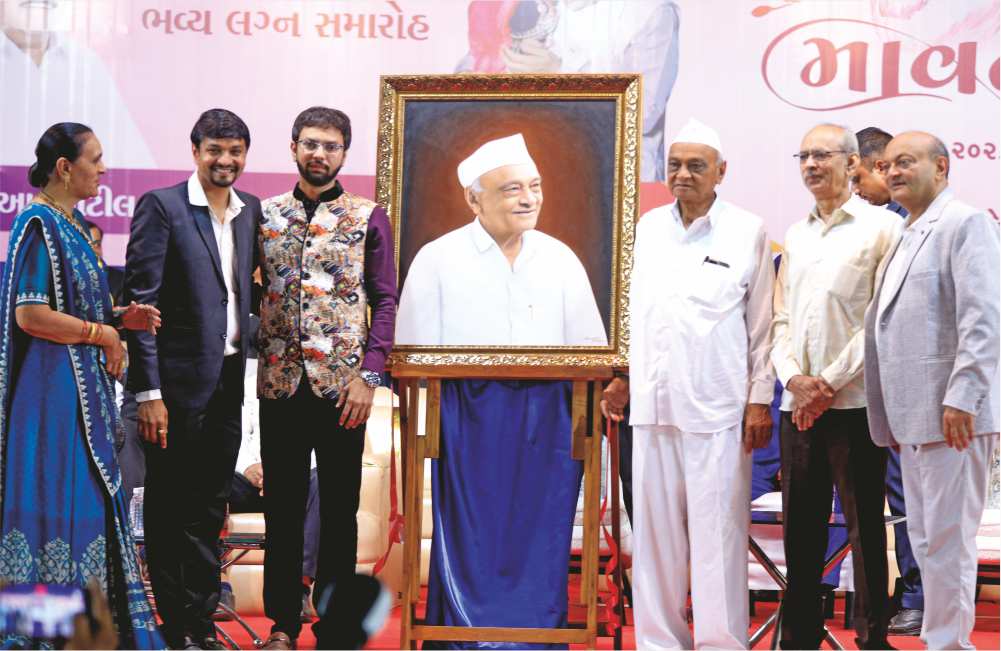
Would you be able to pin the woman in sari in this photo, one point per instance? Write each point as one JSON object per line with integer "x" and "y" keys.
{"x": 63, "y": 519}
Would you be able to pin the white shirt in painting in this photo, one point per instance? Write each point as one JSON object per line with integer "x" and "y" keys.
{"x": 71, "y": 84}
{"x": 700, "y": 310}
{"x": 461, "y": 290}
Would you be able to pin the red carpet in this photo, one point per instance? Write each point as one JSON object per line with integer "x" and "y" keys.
{"x": 985, "y": 636}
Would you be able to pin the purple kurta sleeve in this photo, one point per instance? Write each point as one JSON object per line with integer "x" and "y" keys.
{"x": 380, "y": 285}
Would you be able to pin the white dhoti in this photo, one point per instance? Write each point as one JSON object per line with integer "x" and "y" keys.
{"x": 691, "y": 504}
{"x": 945, "y": 492}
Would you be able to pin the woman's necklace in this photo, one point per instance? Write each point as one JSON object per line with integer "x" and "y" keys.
{"x": 46, "y": 199}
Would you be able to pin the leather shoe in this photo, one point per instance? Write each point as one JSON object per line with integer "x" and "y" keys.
{"x": 279, "y": 640}
{"x": 189, "y": 643}
{"x": 212, "y": 644}
{"x": 906, "y": 622}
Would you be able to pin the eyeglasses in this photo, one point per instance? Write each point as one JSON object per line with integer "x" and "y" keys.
{"x": 819, "y": 155}
{"x": 328, "y": 147}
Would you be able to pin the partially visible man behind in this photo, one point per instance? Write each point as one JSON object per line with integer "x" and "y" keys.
{"x": 116, "y": 277}
{"x": 825, "y": 282}
{"x": 191, "y": 253}
{"x": 701, "y": 384}
{"x": 931, "y": 371}
{"x": 326, "y": 259}
{"x": 869, "y": 182}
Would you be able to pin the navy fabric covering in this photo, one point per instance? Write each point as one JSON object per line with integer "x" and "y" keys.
{"x": 505, "y": 494}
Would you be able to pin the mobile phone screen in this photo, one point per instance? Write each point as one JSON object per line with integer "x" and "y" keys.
{"x": 40, "y": 611}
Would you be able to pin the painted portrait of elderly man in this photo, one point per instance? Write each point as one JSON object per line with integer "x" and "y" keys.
{"x": 497, "y": 280}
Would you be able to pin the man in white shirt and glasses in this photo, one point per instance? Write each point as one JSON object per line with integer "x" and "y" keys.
{"x": 825, "y": 282}
{"x": 701, "y": 385}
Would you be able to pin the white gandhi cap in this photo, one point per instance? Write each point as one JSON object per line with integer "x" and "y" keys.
{"x": 491, "y": 155}
{"x": 699, "y": 134}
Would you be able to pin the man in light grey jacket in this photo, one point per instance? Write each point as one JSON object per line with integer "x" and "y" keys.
{"x": 931, "y": 375}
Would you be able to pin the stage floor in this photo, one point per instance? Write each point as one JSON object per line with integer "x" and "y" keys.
{"x": 985, "y": 635}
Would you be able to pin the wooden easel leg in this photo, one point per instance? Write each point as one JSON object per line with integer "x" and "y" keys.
{"x": 413, "y": 494}
{"x": 592, "y": 506}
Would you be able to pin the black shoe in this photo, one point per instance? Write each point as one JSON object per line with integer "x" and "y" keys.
{"x": 211, "y": 643}
{"x": 906, "y": 622}
{"x": 880, "y": 644}
{"x": 189, "y": 643}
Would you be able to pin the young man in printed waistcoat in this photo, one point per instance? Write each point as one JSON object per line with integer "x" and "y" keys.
{"x": 326, "y": 257}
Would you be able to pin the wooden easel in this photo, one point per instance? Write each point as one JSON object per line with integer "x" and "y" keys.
{"x": 585, "y": 446}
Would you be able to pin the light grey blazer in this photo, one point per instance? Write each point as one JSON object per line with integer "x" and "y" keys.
{"x": 938, "y": 336}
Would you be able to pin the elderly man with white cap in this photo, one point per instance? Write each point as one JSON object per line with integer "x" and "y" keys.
{"x": 497, "y": 281}
{"x": 700, "y": 383}
{"x": 505, "y": 485}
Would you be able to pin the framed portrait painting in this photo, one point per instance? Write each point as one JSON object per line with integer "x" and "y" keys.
{"x": 513, "y": 200}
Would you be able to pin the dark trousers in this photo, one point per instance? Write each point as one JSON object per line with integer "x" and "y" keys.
{"x": 131, "y": 449}
{"x": 290, "y": 430}
{"x": 187, "y": 486}
{"x": 837, "y": 451}
{"x": 912, "y": 594}
{"x": 246, "y": 498}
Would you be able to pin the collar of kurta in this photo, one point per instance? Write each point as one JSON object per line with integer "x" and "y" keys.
{"x": 482, "y": 240}
{"x": 699, "y": 223}
{"x": 58, "y": 47}
{"x": 846, "y": 212}
{"x": 196, "y": 197}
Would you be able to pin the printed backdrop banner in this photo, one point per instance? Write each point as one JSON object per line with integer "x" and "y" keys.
{"x": 761, "y": 72}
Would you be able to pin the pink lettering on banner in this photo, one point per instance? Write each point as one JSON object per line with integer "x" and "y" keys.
{"x": 168, "y": 21}
{"x": 337, "y": 25}
{"x": 247, "y": 23}
{"x": 846, "y": 66}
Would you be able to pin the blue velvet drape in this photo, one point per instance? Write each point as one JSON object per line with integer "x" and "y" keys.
{"x": 505, "y": 494}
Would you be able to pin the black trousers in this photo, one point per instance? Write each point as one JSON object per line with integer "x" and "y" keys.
{"x": 187, "y": 486}
{"x": 291, "y": 429}
{"x": 837, "y": 450}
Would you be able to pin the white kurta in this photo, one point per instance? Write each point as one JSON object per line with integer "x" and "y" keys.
{"x": 461, "y": 290}
{"x": 72, "y": 84}
{"x": 701, "y": 307}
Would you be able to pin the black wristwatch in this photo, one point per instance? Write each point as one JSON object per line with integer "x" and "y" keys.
{"x": 370, "y": 378}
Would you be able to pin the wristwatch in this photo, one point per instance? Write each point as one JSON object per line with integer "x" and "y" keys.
{"x": 370, "y": 378}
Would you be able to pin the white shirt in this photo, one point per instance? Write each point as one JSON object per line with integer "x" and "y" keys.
{"x": 700, "y": 310}
{"x": 71, "y": 84}
{"x": 225, "y": 239}
{"x": 825, "y": 282}
{"x": 461, "y": 290}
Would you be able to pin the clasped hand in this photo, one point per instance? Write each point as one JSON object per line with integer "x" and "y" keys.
{"x": 812, "y": 396}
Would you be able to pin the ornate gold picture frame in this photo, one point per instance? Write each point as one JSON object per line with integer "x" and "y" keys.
{"x": 583, "y": 131}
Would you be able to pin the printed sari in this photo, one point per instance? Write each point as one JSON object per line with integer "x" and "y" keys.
{"x": 63, "y": 517}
